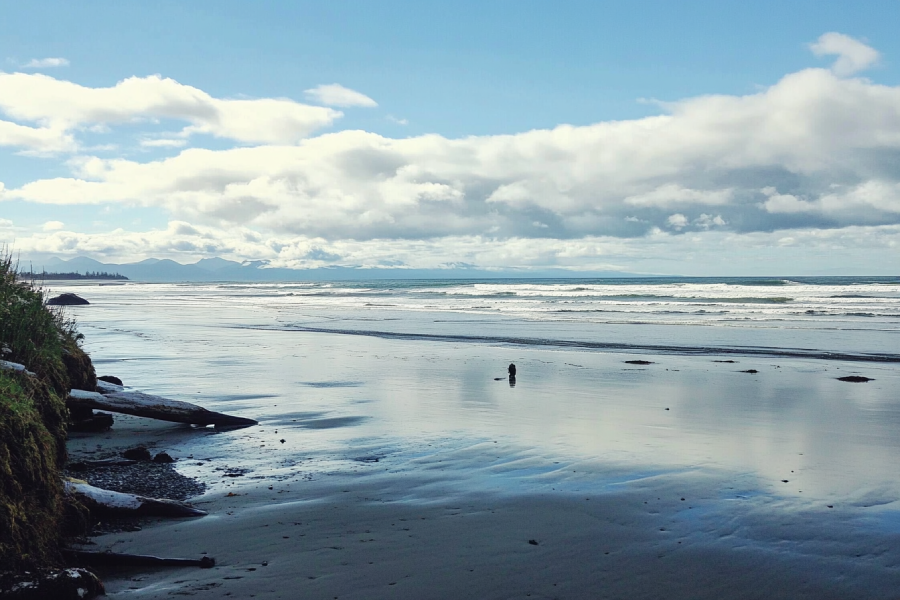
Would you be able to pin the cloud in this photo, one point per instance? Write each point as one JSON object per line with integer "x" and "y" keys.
{"x": 870, "y": 198}
{"x": 853, "y": 55}
{"x": 396, "y": 120}
{"x": 53, "y": 225}
{"x": 702, "y": 252}
{"x": 6, "y": 223}
{"x": 828, "y": 142}
{"x": 58, "y": 107}
{"x": 37, "y": 139}
{"x": 671, "y": 194}
{"x": 337, "y": 95}
{"x": 45, "y": 63}
{"x": 164, "y": 143}
{"x": 677, "y": 221}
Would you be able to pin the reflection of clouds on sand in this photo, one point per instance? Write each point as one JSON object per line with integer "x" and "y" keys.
{"x": 582, "y": 457}
{"x": 331, "y": 384}
{"x": 330, "y": 423}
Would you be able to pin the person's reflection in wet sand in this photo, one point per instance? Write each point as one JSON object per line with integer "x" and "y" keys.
{"x": 512, "y": 381}
{"x": 512, "y": 375}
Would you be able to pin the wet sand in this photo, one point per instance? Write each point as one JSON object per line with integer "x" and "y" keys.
{"x": 392, "y": 467}
{"x": 407, "y": 471}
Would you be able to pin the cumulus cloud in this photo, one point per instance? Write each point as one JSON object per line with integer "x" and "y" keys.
{"x": 677, "y": 221}
{"x": 53, "y": 225}
{"x": 670, "y": 194}
{"x": 853, "y": 55}
{"x": 337, "y": 95}
{"x": 45, "y": 63}
{"x": 38, "y": 139}
{"x": 164, "y": 143}
{"x": 58, "y": 107}
{"x": 819, "y": 141}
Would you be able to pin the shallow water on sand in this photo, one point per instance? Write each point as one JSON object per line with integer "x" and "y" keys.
{"x": 373, "y": 403}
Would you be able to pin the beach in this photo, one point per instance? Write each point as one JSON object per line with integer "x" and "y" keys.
{"x": 395, "y": 459}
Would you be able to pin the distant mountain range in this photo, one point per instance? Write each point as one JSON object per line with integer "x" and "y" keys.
{"x": 219, "y": 269}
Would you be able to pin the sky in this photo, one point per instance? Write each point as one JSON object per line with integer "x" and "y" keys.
{"x": 689, "y": 138}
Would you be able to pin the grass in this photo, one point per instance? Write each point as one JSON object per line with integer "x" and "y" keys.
{"x": 33, "y": 419}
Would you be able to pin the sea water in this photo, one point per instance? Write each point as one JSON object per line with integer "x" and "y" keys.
{"x": 380, "y": 377}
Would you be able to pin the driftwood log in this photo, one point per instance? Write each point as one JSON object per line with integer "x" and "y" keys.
{"x": 100, "y": 501}
{"x": 153, "y": 407}
{"x": 11, "y": 366}
{"x": 112, "y": 559}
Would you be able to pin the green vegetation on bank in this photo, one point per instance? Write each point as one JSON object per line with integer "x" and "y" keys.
{"x": 33, "y": 420}
{"x": 73, "y": 275}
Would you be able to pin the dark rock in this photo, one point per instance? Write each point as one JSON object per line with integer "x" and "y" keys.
{"x": 512, "y": 370}
{"x": 67, "y": 300}
{"x": 533, "y": 542}
{"x": 79, "y": 413}
{"x": 855, "y": 379}
{"x": 638, "y": 362}
{"x": 65, "y": 584}
{"x": 95, "y": 422}
{"x": 750, "y": 371}
{"x": 163, "y": 457}
{"x": 725, "y": 361}
{"x": 140, "y": 453}
{"x": 111, "y": 379}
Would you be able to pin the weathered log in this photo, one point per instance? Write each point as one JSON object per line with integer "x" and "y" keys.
{"x": 112, "y": 559}
{"x": 84, "y": 465}
{"x": 109, "y": 387}
{"x": 59, "y": 584}
{"x": 6, "y": 365}
{"x": 154, "y": 407}
{"x": 102, "y": 501}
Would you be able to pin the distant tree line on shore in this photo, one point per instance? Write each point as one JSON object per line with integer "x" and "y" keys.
{"x": 74, "y": 275}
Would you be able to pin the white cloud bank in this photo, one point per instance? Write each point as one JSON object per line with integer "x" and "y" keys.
{"x": 59, "y": 107}
{"x": 816, "y": 151}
